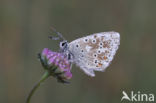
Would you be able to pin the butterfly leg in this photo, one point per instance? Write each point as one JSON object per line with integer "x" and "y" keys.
{"x": 71, "y": 65}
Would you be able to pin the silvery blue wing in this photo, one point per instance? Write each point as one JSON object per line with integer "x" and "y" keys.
{"x": 94, "y": 52}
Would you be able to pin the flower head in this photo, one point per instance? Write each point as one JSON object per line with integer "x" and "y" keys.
{"x": 57, "y": 64}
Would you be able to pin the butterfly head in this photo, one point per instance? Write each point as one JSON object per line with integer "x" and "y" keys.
{"x": 63, "y": 45}
{"x": 65, "y": 49}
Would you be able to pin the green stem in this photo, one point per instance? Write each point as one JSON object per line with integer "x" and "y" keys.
{"x": 44, "y": 77}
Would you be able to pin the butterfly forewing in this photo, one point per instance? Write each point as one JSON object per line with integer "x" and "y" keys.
{"x": 94, "y": 52}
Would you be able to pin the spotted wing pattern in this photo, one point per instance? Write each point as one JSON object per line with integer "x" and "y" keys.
{"x": 94, "y": 52}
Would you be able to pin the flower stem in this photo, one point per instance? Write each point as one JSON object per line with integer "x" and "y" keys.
{"x": 44, "y": 77}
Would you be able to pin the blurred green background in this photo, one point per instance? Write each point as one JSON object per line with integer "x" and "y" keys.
{"x": 24, "y": 30}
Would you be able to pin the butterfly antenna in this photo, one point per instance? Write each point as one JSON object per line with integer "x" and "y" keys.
{"x": 60, "y": 36}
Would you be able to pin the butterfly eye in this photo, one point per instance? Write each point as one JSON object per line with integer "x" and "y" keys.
{"x": 63, "y": 43}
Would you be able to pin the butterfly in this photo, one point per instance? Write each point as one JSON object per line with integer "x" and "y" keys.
{"x": 91, "y": 53}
